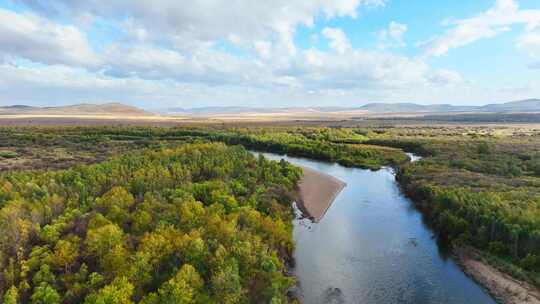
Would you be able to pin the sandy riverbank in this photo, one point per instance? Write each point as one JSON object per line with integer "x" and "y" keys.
{"x": 317, "y": 191}
{"x": 505, "y": 289}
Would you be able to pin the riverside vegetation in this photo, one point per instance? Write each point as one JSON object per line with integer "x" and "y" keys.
{"x": 179, "y": 212}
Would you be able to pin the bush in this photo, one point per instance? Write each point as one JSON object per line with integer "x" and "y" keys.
{"x": 8, "y": 154}
{"x": 531, "y": 262}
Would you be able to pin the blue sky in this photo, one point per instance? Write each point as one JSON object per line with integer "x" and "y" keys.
{"x": 166, "y": 53}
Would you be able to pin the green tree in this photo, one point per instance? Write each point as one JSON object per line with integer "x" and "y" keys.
{"x": 44, "y": 275}
{"x": 45, "y": 294}
{"x": 11, "y": 296}
{"x": 116, "y": 204}
{"x": 101, "y": 240}
{"x": 119, "y": 291}
{"x": 184, "y": 288}
{"x": 226, "y": 283}
{"x": 66, "y": 253}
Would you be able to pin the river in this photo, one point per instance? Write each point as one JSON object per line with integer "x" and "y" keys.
{"x": 373, "y": 247}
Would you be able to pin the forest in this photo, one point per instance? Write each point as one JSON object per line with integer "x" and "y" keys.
{"x": 476, "y": 187}
{"x": 200, "y": 223}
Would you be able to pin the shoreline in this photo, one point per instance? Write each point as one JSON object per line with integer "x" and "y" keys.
{"x": 504, "y": 288}
{"x": 316, "y": 193}
{"x": 501, "y": 286}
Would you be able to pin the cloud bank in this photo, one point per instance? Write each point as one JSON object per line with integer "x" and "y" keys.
{"x": 166, "y": 52}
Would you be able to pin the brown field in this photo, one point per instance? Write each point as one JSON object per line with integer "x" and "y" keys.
{"x": 249, "y": 120}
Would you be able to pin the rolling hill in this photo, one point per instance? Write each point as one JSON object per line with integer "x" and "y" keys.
{"x": 413, "y": 108}
{"x": 522, "y": 106}
{"x": 107, "y": 109}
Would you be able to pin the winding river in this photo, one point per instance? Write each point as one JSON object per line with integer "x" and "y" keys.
{"x": 373, "y": 247}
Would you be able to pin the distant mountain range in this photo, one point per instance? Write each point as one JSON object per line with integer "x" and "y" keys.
{"x": 413, "y": 108}
{"x": 118, "y": 109}
{"x": 112, "y": 109}
{"x": 521, "y": 106}
{"x": 255, "y": 110}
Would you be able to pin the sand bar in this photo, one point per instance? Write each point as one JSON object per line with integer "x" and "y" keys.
{"x": 504, "y": 288}
{"x": 317, "y": 191}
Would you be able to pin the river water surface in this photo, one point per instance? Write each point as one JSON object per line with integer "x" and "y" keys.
{"x": 372, "y": 247}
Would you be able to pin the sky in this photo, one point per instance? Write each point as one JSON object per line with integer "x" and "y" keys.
{"x": 283, "y": 53}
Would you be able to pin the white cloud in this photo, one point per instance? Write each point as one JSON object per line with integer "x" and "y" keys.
{"x": 57, "y": 85}
{"x": 367, "y": 70}
{"x": 392, "y": 36}
{"x": 189, "y": 26}
{"x": 263, "y": 48}
{"x": 40, "y": 40}
{"x": 496, "y": 20}
{"x": 338, "y": 40}
{"x": 50, "y": 85}
{"x": 54, "y": 85}
{"x": 201, "y": 20}
{"x": 342, "y": 68}
{"x": 445, "y": 78}
{"x": 209, "y": 52}
{"x": 529, "y": 44}
{"x": 208, "y": 66}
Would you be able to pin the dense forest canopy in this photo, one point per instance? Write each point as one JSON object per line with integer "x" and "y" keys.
{"x": 203, "y": 223}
